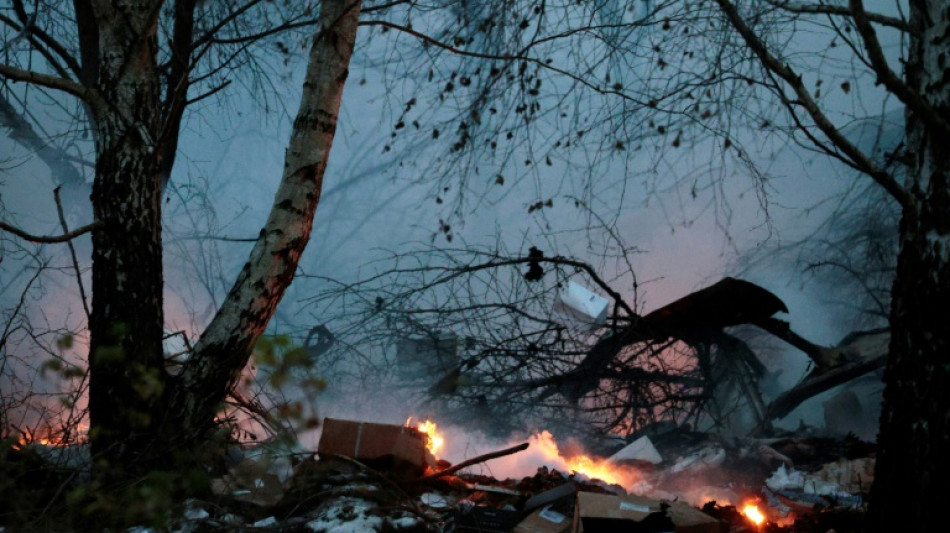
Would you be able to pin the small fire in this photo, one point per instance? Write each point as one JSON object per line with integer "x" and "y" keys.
{"x": 434, "y": 440}
{"x": 752, "y": 512}
{"x": 601, "y": 469}
{"x": 595, "y": 469}
{"x": 52, "y": 438}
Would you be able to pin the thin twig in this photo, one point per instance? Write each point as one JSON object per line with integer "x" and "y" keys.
{"x": 72, "y": 253}
{"x": 475, "y": 460}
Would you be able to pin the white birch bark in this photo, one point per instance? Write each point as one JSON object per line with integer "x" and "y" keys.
{"x": 226, "y": 344}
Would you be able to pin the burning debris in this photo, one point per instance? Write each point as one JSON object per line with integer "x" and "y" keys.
{"x": 752, "y": 512}
{"x": 637, "y": 490}
{"x": 383, "y": 446}
{"x": 385, "y": 477}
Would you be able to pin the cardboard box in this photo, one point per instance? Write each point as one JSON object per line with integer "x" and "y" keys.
{"x": 606, "y": 513}
{"x": 544, "y": 520}
{"x": 368, "y": 441}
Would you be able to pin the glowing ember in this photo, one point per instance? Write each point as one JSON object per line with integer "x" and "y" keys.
{"x": 434, "y": 440}
{"x": 752, "y": 512}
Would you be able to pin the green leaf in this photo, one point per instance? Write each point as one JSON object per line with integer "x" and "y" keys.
{"x": 53, "y": 364}
{"x": 72, "y": 371}
{"x": 265, "y": 355}
{"x": 75, "y": 496}
{"x": 316, "y": 384}
{"x": 65, "y": 342}
{"x": 298, "y": 357}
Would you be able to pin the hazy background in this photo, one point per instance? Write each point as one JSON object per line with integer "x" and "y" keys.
{"x": 689, "y": 232}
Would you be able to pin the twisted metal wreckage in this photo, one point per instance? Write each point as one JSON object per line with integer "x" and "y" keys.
{"x": 675, "y": 363}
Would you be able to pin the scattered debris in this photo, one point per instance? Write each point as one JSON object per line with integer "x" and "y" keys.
{"x": 580, "y": 307}
{"x": 258, "y": 479}
{"x": 545, "y": 520}
{"x": 606, "y": 512}
{"x": 641, "y": 449}
{"x": 380, "y": 477}
{"x": 701, "y": 460}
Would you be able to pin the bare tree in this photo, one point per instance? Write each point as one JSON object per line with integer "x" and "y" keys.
{"x": 913, "y": 420}
{"x": 633, "y": 89}
{"x": 133, "y": 70}
{"x": 143, "y": 418}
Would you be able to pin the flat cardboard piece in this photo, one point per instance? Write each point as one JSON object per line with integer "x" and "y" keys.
{"x": 602, "y": 513}
{"x": 641, "y": 449}
{"x": 544, "y": 520}
{"x": 369, "y": 441}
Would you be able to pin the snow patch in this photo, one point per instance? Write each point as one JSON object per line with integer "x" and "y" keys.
{"x": 345, "y": 515}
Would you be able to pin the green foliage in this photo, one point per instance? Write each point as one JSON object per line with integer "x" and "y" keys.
{"x": 150, "y": 500}
{"x": 65, "y": 370}
{"x": 288, "y": 366}
{"x": 196, "y": 481}
{"x": 108, "y": 355}
{"x": 53, "y": 364}
{"x": 64, "y": 342}
{"x": 147, "y": 382}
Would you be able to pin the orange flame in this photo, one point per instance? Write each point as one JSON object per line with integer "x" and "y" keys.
{"x": 51, "y": 437}
{"x": 752, "y": 512}
{"x": 434, "y": 439}
{"x": 593, "y": 468}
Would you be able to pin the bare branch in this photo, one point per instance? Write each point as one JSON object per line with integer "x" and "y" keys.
{"x": 208, "y": 93}
{"x": 821, "y": 356}
{"x": 90, "y": 96}
{"x": 828, "y": 9}
{"x": 45, "y": 239}
{"x": 88, "y": 36}
{"x": 930, "y": 116}
{"x": 793, "y": 79}
{"x": 519, "y": 56}
{"x": 382, "y": 7}
{"x": 176, "y": 92}
{"x": 50, "y": 44}
{"x": 209, "y": 35}
{"x": 54, "y": 157}
{"x": 474, "y": 461}
{"x": 72, "y": 254}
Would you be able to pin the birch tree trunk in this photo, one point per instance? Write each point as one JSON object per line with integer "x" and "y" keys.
{"x": 227, "y": 343}
{"x": 913, "y": 463}
{"x": 142, "y": 418}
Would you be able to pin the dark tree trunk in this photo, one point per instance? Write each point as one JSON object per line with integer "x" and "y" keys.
{"x": 142, "y": 418}
{"x": 913, "y": 464}
{"x": 127, "y": 375}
